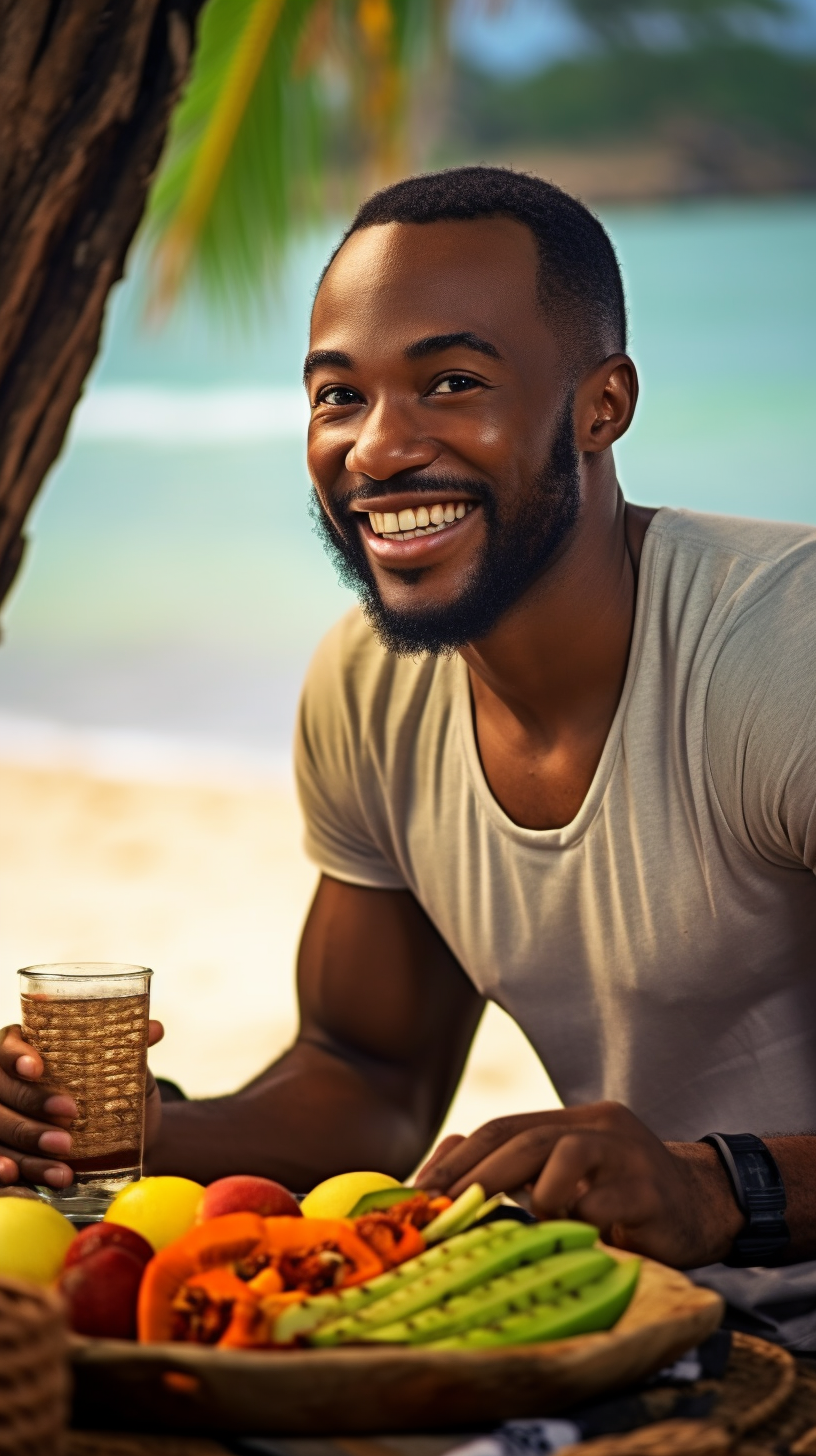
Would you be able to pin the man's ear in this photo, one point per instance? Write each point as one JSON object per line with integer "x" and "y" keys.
{"x": 605, "y": 403}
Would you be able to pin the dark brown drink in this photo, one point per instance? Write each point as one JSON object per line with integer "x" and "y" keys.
{"x": 92, "y": 1037}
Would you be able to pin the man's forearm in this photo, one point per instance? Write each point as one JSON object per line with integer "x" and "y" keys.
{"x": 719, "y": 1217}
{"x": 307, "y": 1117}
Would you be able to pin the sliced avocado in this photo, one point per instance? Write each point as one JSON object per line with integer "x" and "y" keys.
{"x": 470, "y": 1259}
{"x": 462, "y": 1212}
{"x": 380, "y": 1199}
{"x": 518, "y": 1292}
{"x": 597, "y": 1306}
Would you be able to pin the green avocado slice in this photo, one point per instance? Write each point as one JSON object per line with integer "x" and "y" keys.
{"x": 381, "y": 1198}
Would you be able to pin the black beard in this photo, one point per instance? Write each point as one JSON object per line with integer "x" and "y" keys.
{"x": 516, "y": 552}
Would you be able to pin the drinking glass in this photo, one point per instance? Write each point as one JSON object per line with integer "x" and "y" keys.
{"x": 89, "y": 1024}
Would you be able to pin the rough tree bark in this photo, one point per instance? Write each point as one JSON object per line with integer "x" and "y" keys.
{"x": 86, "y": 91}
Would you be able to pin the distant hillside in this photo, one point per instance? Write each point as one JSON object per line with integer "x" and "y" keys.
{"x": 723, "y": 118}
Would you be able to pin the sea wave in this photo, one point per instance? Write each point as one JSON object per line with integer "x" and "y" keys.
{"x": 153, "y": 415}
{"x": 135, "y": 755}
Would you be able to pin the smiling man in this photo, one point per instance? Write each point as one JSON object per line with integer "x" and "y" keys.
{"x": 564, "y": 758}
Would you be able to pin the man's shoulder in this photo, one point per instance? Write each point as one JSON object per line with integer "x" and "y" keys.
{"x": 738, "y": 537}
{"x": 718, "y": 574}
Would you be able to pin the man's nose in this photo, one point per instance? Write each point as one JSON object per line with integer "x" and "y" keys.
{"x": 389, "y": 440}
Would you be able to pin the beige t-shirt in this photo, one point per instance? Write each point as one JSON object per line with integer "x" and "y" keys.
{"x": 661, "y": 948}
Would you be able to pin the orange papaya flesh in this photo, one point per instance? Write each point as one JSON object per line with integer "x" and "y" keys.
{"x": 220, "y": 1242}
{"x": 392, "y": 1240}
{"x": 304, "y": 1236}
{"x": 420, "y": 1210}
{"x": 193, "y": 1285}
{"x": 217, "y": 1284}
{"x": 247, "y": 1328}
{"x": 250, "y": 1327}
{"x": 269, "y": 1281}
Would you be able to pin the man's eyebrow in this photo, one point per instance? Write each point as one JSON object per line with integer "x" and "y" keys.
{"x": 436, "y": 343}
{"x": 332, "y": 357}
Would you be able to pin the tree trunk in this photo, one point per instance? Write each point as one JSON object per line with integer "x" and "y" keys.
{"x": 86, "y": 91}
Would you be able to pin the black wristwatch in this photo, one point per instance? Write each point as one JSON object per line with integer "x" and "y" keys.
{"x": 760, "y": 1194}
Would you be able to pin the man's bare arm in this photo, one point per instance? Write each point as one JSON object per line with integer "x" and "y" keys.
{"x": 387, "y": 1018}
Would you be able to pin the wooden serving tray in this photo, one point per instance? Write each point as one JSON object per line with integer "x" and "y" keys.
{"x": 178, "y": 1387}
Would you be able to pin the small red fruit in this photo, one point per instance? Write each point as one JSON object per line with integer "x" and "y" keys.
{"x": 245, "y": 1193}
{"x": 107, "y": 1236}
{"x": 101, "y": 1293}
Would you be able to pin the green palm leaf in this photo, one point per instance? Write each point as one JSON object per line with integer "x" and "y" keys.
{"x": 243, "y": 143}
{"x": 285, "y": 96}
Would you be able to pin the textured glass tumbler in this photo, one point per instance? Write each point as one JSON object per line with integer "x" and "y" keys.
{"x": 89, "y": 1024}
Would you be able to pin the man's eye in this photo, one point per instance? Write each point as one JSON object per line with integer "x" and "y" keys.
{"x": 454, "y": 384}
{"x": 337, "y": 394}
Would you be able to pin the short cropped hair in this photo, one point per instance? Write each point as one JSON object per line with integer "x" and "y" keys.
{"x": 579, "y": 278}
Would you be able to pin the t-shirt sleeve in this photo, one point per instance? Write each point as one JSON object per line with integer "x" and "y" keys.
{"x": 761, "y": 719}
{"x": 337, "y": 781}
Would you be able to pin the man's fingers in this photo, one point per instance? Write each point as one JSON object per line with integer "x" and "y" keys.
{"x": 33, "y": 1100}
{"x": 8, "y": 1170}
{"x": 457, "y": 1168}
{"x": 22, "y": 1136}
{"x": 17, "y": 1057}
{"x": 596, "y": 1177}
{"x": 17, "y": 1167}
{"x": 437, "y": 1157}
{"x": 27, "y": 1135}
{"x": 461, "y": 1163}
{"x": 155, "y": 1033}
{"x": 513, "y": 1165}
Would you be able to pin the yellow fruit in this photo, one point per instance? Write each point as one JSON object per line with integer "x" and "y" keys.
{"x": 160, "y": 1209}
{"x": 34, "y": 1239}
{"x": 337, "y": 1196}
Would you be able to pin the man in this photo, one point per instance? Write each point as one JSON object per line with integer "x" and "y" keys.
{"x": 563, "y": 759}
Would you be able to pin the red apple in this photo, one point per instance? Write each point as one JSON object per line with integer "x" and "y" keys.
{"x": 101, "y": 1293}
{"x": 244, "y": 1193}
{"x": 107, "y": 1236}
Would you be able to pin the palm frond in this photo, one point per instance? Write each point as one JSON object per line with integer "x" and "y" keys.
{"x": 290, "y": 101}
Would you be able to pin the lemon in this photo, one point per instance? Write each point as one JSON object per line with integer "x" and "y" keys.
{"x": 337, "y": 1196}
{"x": 160, "y": 1209}
{"x": 34, "y": 1239}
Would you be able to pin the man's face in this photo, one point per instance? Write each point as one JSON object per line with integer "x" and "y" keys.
{"x": 441, "y": 440}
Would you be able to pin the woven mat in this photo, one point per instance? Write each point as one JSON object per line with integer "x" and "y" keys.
{"x": 765, "y": 1405}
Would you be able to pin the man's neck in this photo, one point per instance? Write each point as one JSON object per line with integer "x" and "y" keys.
{"x": 547, "y": 682}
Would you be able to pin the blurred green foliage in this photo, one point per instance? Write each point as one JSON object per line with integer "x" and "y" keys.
{"x": 761, "y": 94}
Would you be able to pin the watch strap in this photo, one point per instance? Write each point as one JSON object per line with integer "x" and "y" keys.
{"x": 760, "y": 1194}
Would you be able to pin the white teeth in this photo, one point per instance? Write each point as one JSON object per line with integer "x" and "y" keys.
{"x": 406, "y": 524}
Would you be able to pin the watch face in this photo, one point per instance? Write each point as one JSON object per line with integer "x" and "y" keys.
{"x": 760, "y": 1194}
{"x": 759, "y": 1171}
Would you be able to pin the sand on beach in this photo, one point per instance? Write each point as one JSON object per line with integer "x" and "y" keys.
{"x": 209, "y": 886}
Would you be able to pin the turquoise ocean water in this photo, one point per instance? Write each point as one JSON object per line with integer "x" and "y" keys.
{"x": 173, "y": 590}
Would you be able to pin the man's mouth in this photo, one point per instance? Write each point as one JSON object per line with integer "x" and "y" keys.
{"x": 424, "y": 521}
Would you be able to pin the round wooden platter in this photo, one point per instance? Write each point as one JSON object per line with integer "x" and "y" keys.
{"x": 355, "y": 1390}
